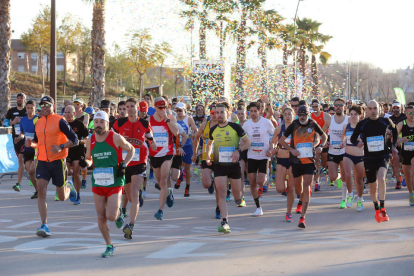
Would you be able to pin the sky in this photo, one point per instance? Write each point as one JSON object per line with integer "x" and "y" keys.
{"x": 377, "y": 32}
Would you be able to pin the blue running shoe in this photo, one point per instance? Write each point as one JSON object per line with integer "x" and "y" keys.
{"x": 211, "y": 189}
{"x": 228, "y": 196}
{"x": 83, "y": 185}
{"x": 120, "y": 220}
{"x": 43, "y": 231}
{"x": 264, "y": 188}
{"x": 158, "y": 215}
{"x": 403, "y": 182}
{"x": 77, "y": 201}
{"x": 218, "y": 214}
{"x": 151, "y": 175}
{"x": 73, "y": 194}
{"x": 170, "y": 198}
{"x": 141, "y": 198}
{"x": 110, "y": 250}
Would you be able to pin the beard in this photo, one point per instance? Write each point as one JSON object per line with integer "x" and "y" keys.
{"x": 99, "y": 130}
{"x": 19, "y": 104}
{"x": 338, "y": 112}
{"x": 220, "y": 120}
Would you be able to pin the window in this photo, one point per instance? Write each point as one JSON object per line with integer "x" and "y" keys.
{"x": 34, "y": 68}
{"x": 34, "y": 56}
{"x": 59, "y": 68}
{"x": 20, "y": 68}
{"x": 20, "y": 55}
{"x": 59, "y": 55}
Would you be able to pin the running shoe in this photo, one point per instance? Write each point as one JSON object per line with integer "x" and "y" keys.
{"x": 349, "y": 201}
{"x": 151, "y": 175}
{"x": 384, "y": 216}
{"x": 157, "y": 186}
{"x": 224, "y": 227}
{"x": 274, "y": 176}
{"x": 170, "y": 198}
{"x": 128, "y": 230}
{"x": 43, "y": 231}
{"x": 34, "y": 195}
{"x": 301, "y": 223}
{"x": 242, "y": 203}
{"x": 398, "y": 185}
{"x": 342, "y": 205}
{"x": 83, "y": 185}
{"x": 120, "y": 220}
{"x": 30, "y": 183}
{"x": 284, "y": 193}
{"x": 360, "y": 206}
{"x": 141, "y": 199}
{"x": 378, "y": 216}
{"x": 264, "y": 188}
{"x": 317, "y": 187}
{"x": 288, "y": 218}
{"x": 260, "y": 192}
{"x": 258, "y": 212}
{"x": 246, "y": 182}
{"x": 110, "y": 250}
{"x": 73, "y": 194}
{"x": 331, "y": 183}
{"x": 339, "y": 183}
{"x": 125, "y": 213}
{"x": 77, "y": 202}
{"x": 144, "y": 193}
{"x": 403, "y": 182}
{"x": 56, "y": 197}
{"x": 186, "y": 193}
{"x": 299, "y": 209}
{"x": 411, "y": 200}
{"x": 218, "y": 214}
{"x": 177, "y": 184}
{"x": 228, "y": 196}
{"x": 211, "y": 189}
{"x": 158, "y": 215}
{"x": 16, "y": 187}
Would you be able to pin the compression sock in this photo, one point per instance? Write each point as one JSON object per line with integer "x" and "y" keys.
{"x": 344, "y": 191}
{"x": 257, "y": 201}
{"x": 376, "y": 205}
{"x": 187, "y": 186}
{"x": 382, "y": 203}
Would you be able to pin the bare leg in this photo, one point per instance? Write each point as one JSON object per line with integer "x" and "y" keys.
{"x": 20, "y": 170}
{"x": 162, "y": 174}
{"x": 132, "y": 192}
{"x": 41, "y": 200}
{"x": 221, "y": 191}
{"x": 30, "y": 169}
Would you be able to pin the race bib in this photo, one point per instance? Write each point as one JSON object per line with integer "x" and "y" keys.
{"x": 305, "y": 149}
{"x": 205, "y": 147}
{"x": 103, "y": 176}
{"x": 29, "y": 135}
{"x": 225, "y": 154}
{"x": 135, "y": 157}
{"x": 161, "y": 138}
{"x": 409, "y": 146}
{"x": 348, "y": 135}
{"x": 287, "y": 140}
{"x": 17, "y": 129}
{"x": 375, "y": 143}
{"x": 335, "y": 147}
{"x": 257, "y": 148}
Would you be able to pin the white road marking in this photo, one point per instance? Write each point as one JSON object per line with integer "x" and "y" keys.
{"x": 182, "y": 250}
{"x": 7, "y": 239}
{"x": 30, "y": 222}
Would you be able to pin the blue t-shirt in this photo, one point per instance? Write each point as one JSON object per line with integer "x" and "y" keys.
{"x": 151, "y": 111}
{"x": 27, "y": 127}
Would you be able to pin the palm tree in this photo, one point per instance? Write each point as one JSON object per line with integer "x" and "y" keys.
{"x": 323, "y": 58}
{"x": 5, "y": 58}
{"x": 287, "y": 35}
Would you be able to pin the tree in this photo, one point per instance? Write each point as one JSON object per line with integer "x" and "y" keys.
{"x": 117, "y": 66}
{"x": 179, "y": 71}
{"x": 323, "y": 58}
{"x": 166, "y": 50}
{"x": 287, "y": 34}
{"x": 84, "y": 49}
{"x": 5, "y": 58}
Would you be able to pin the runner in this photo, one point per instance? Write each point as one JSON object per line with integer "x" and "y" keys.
{"x": 150, "y": 111}
{"x": 80, "y": 114}
{"x": 241, "y": 114}
{"x": 397, "y": 116}
{"x": 376, "y": 154}
{"x": 177, "y": 172}
{"x": 187, "y": 123}
{"x": 165, "y": 128}
{"x": 51, "y": 137}
{"x": 353, "y": 159}
{"x": 27, "y": 130}
{"x": 302, "y": 154}
{"x": 104, "y": 150}
{"x": 200, "y": 115}
{"x": 226, "y": 137}
{"x": 135, "y": 130}
{"x": 14, "y": 115}
{"x": 258, "y": 130}
{"x": 76, "y": 153}
{"x": 142, "y": 112}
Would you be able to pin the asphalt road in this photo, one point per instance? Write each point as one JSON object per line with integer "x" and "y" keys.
{"x": 186, "y": 242}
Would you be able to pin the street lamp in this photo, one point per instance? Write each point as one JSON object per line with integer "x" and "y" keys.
{"x": 297, "y": 8}
{"x": 52, "y": 86}
{"x": 357, "y": 82}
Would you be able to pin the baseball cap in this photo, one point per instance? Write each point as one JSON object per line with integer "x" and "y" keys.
{"x": 143, "y": 106}
{"x": 105, "y": 104}
{"x": 160, "y": 101}
{"x": 47, "y": 99}
{"x": 78, "y": 101}
{"x": 303, "y": 109}
{"x": 396, "y": 104}
{"x": 102, "y": 115}
{"x": 21, "y": 95}
{"x": 181, "y": 105}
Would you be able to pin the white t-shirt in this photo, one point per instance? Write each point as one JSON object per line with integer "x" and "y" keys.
{"x": 259, "y": 135}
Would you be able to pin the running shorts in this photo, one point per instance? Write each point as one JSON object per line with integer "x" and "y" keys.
{"x": 55, "y": 170}
{"x": 372, "y": 166}
{"x": 257, "y": 166}
{"x": 157, "y": 162}
{"x": 233, "y": 171}
{"x": 140, "y": 169}
{"x": 303, "y": 169}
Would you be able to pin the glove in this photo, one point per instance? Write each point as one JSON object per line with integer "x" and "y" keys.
{"x": 82, "y": 163}
{"x": 121, "y": 170}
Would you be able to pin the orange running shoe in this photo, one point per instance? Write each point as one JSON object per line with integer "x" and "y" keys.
{"x": 384, "y": 216}
{"x": 299, "y": 209}
{"x": 301, "y": 223}
{"x": 378, "y": 216}
{"x": 260, "y": 192}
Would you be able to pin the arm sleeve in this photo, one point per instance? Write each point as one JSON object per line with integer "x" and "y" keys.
{"x": 289, "y": 130}
{"x": 318, "y": 129}
{"x": 210, "y": 135}
{"x": 356, "y": 133}
{"x": 240, "y": 131}
{"x": 68, "y": 131}
{"x": 21, "y": 128}
{"x": 9, "y": 114}
{"x": 85, "y": 131}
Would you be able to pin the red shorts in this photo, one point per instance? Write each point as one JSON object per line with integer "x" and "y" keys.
{"x": 107, "y": 192}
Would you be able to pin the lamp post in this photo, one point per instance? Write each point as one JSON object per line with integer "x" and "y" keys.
{"x": 52, "y": 86}
{"x": 297, "y": 8}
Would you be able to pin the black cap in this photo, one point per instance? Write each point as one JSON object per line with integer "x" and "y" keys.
{"x": 47, "y": 99}
{"x": 21, "y": 95}
{"x": 105, "y": 104}
{"x": 303, "y": 109}
{"x": 331, "y": 108}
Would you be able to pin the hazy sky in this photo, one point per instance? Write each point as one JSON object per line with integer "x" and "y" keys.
{"x": 378, "y": 32}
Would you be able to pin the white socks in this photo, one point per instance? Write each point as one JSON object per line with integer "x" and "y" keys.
{"x": 344, "y": 191}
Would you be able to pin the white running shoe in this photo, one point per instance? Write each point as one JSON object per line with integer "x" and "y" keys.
{"x": 144, "y": 193}
{"x": 360, "y": 206}
{"x": 258, "y": 212}
{"x": 349, "y": 201}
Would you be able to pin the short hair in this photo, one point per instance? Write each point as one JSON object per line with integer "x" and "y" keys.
{"x": 287, "y": 108}
{"x": 386, "y": 105}
{"x": 241, "y": 102}
{"x": 410, "y": 103}
{"x": 339, "y": 99}
{"x": 295, "y": 99}
{"x": 241, "y": 107}
{"x": 223, "y": 104}
{"x": 121, "y": 103}
{"x": 254, "y": 104}
{"x": 356, "y": 108}
{"x": 150, "y": 96}
{"x": 31, "y": 102}
{"x": 302, "y": 102}
{"x": 315, "y": 101}
{"x": 131, "y": 100}
{"x": 325, "y": 106}
{"x": 174, "y": 100}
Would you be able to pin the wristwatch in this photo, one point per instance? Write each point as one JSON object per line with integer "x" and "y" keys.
{"x": 239, "y": 150}
{"x": 168, "y": 120}
{"x": 322, "y": 145}
{"x": 62, "y": 146}
{"x": 123, "y": 164}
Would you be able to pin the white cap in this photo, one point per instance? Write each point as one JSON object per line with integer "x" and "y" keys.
{"x": 396, "y": 104}
{"x": 101, "y": 115}
{"x": 181, "y": 105}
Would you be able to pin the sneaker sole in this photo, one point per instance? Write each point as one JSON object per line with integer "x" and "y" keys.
{"x": 302, "y": 226}
{"x": 257, "y": 215}
{"x": 288, "y": 221}
{"x": 41, "y": 233}
{"x": 157, "y": 217}
{"x": 128, "y": 233}
{"x": 221, "y": 230}
{"x": 16, "y": 189}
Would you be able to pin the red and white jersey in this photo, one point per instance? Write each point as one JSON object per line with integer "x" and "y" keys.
{"x": 135, "y": 134}
{"x": 163, "y": 138}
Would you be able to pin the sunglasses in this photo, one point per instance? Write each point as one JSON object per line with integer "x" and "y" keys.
{"x": 396, "y": 107}
{"x": 296, "y": 105}
{"x": 46, "y": 105}
{"x": 212, "y": 112}
{"x": 161, "y": 107}
{"x": 338, "y": 105}
{"x": 410, "y": 113}
{"x": 77, "y": 104}
{"x": 315, "y": 106}
{"x": 178, "y": 110}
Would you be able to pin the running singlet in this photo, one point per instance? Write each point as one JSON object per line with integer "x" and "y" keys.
{"x": 407, "y": 132}
{"x": 320, "y": 120}
{"x": 205, "y": 137}
{"x": 198, "y": 120}
{"x": 303, "y": 139}
{"x": 135, "y": 134}
{"x": 163, "y": 138}
{"x": 106, "y": 158}
{"x": 259, "y": 134}
{"x": 13, "y": 113}
{"x": 226, "y": 141}
{"x": 281, "y": 133}
{"x": 184, "y": 124}
{"x": 27, "y": 127}
{"x": 335, "y": 134}
{"x": 348, "y": 133}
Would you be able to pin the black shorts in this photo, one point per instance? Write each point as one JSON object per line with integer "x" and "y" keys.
{"x": 75, "y": 155}
{"x": 243, "y": 155}
{"x": 19, "y": 147}
{"x": 303, "y": 169}
{"x": 156, "y": 162}
{"x": 372, "y": 166}
{"x": 233, "y": 171}
{"x": 325, "y": 150}
{"x": 140, "y": 169}
{"x": 56, "y": 170}
{"x": 177, "y": 162}
{"x": 205, "y": 166}
{"x": 406, "y": 156}
{"x": 28, "y": 156}
{"x": 255, "y": 166}
{"x": 285, "y": 162}
{"x": 335, "y": 158}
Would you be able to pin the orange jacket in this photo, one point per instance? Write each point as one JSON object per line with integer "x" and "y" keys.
{"x": 48, "y": 134}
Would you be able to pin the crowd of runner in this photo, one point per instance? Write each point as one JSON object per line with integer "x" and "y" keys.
{"x": 297, "y": 144}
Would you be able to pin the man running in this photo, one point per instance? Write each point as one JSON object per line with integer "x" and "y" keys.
{"x": 79, "y": 113}
{"x": 376, "y": 154}
{"x": 302, "y": 154}
{"x": 150, "y": 111}
{"x": 104, "y": 150}
{"x": 397, "y": 117}
{"x": 53, "y": 136}
{"x": 226, "y": 137}
{"x": 241, "y": 114}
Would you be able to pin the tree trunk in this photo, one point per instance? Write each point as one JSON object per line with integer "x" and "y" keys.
{"x": 302, "y": 66}
{"x": 315, "y": 79}
{"x": 64, "y": 70}
{"x": 84, "y": 72}
{"x": 284, "y": 70}
{"x": 47, "y": 67}
{"x": 161, "y": 74}
{"x": 202, "y": 34}
{"x": 241, "y": 56}
{"x": 5, "y": 58}
{"x": 221, "y": 40}
{"x": 98, "y": 53}
{"x": 262, "y": 55}
{"x": 140, "y": 85}
{"x": 42, "y": 69}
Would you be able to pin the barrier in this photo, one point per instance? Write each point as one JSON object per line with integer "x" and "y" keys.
{"x": 9, "y": 163}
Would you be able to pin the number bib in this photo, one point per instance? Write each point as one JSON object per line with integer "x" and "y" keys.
{"x": 161, "y": 139}
{"x": 335, "y": 147}
{"x": 305, "y": 149}
{"x": 287, "y": 140}
{"x": 348, "y": 135}
{"x": 225, "y": 154}
{"x": 17, "y": 129}
{"x": 257, "y": 148}
{"x": 104, "y": 176}
{"x": 135, "y": 157}
{"x": 409, "y": 146}
{"x": 28, "y": 135}
{"x": 375, "y": 143}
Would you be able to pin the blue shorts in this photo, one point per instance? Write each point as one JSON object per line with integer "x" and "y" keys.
{"x": 56, "y": 170}
{"x": 188, "y": 150}
{"x": 284, "y": 162}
